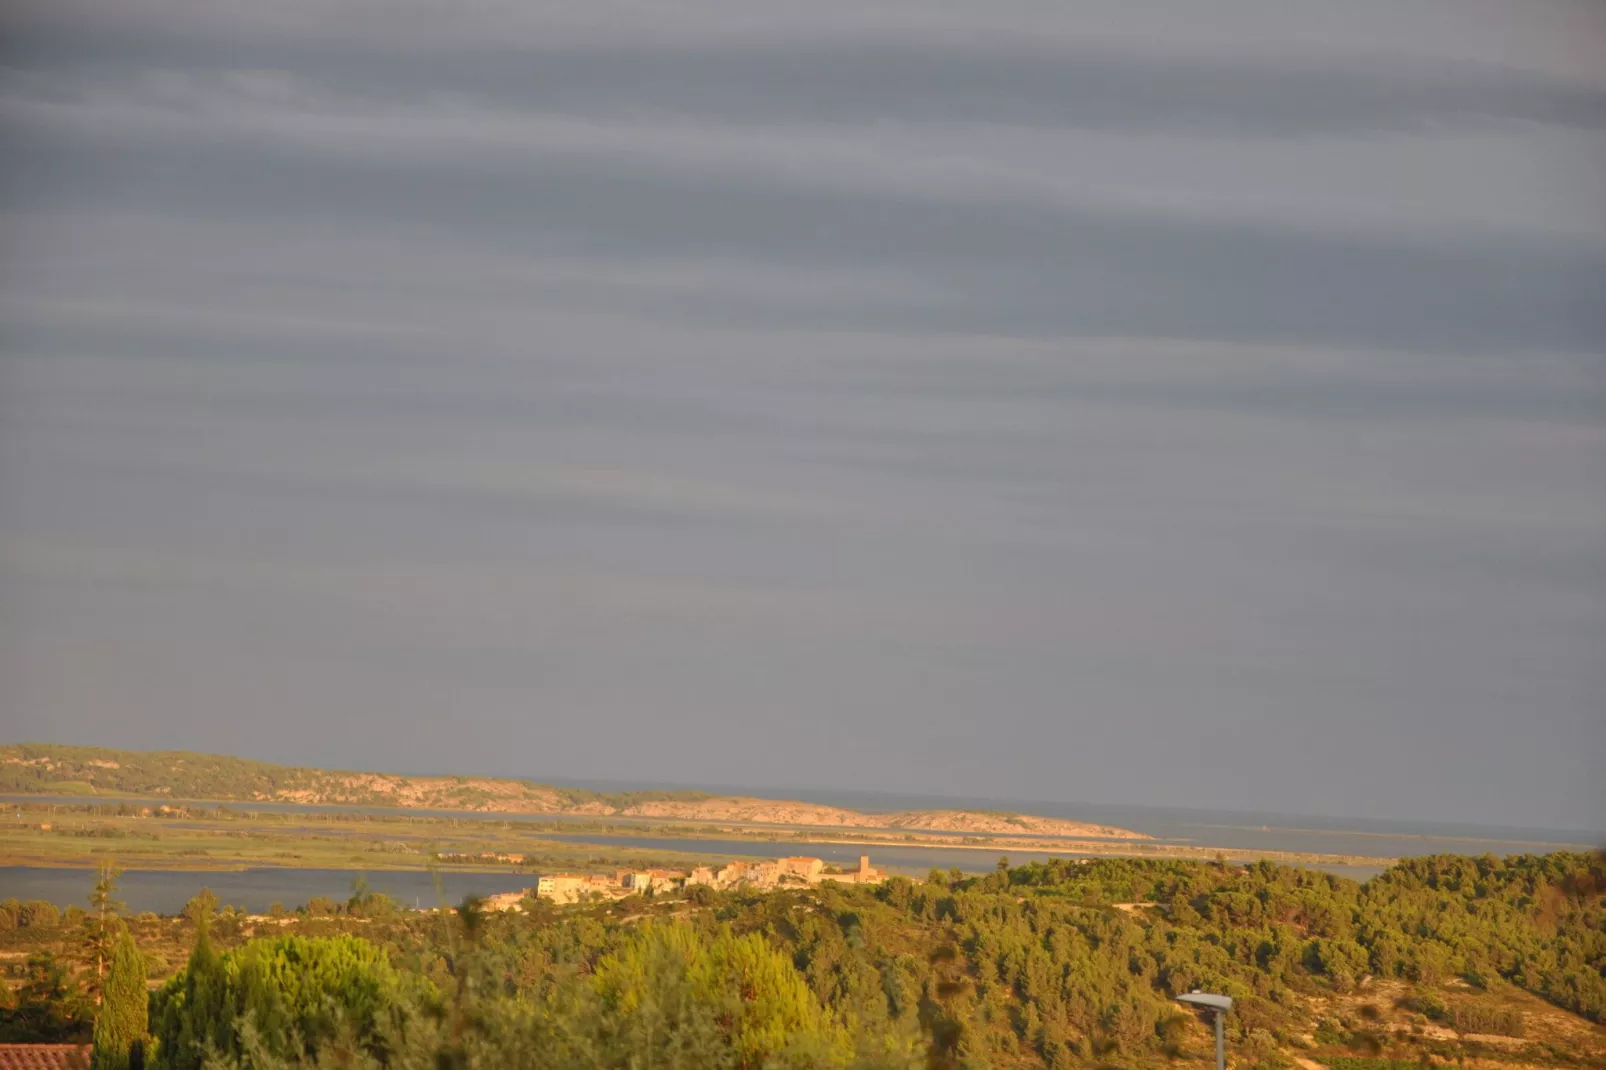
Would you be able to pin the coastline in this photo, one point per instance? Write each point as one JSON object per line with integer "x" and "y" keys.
{"x": 1149, "y": 850}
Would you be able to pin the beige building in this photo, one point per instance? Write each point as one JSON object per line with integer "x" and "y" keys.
{"x": 865, "y": 874}
{"x": 798, "y": 869}
{"x": 809, "y": 869}
{"x": 662, "y": 880}
{"x": 562, "y": 887}
{"x": 652, "y": 880}
{"x": 504, "y": 900}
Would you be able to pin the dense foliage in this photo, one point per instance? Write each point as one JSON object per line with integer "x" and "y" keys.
{"x": 120, "y": 1024}
{"x": 47, "y": 1007}
{"x": 1061, "y": 964}
{"x": 1536, "y": 921}
{"x": 751, "y": 992}
{"x": 296, "y": 994}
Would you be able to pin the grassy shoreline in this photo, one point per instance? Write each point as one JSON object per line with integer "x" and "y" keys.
{"x": 82, "y": 835}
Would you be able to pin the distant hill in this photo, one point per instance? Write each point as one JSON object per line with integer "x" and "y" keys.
{"x": 58, "y": 769}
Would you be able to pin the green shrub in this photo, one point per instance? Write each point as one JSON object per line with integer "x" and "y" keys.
{"x": 49, "y": 1007}
{"x": 290, "y": 994}
{"x": 757, "y": 1007}
{"x": 1426, "y": 1004}
{"x": 39, "y": 914}
{"x": 121, "y": 1024}
{"x": 1479, "y": 1018}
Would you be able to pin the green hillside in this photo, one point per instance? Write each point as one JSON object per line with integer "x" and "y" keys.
{"x": 42, "y": 768}
{"x": 54, "y": 768}
{"x": 1445, "y": 960}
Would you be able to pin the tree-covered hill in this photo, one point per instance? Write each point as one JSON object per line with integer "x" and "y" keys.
{"x": 1471, "y": 961}
{"x": 49, "y": 768}
{"x": 45, "y": 768}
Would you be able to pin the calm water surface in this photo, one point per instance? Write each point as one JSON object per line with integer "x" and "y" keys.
{"x": 1233, "y": 831}
{"x": 166, "y": 891}
{"x": 255, "y": 890}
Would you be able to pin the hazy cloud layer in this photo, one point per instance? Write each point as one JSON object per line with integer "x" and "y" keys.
{"x": 1079, "y": 403}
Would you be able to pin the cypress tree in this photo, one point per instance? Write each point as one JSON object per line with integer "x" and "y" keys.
{"x": 121, "y": 1025}
{"x": 190, "y": 1010}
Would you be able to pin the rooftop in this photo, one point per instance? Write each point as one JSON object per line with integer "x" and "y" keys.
{"x": 44, "y": 1056}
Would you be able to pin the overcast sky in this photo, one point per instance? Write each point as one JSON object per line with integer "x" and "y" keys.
{"x": 1102, "y": 402}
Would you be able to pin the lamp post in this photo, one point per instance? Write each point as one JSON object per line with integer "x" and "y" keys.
{"x": 1220, "y": 1005}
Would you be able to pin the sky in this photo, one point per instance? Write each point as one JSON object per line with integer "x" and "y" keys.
{"x": 1073, "y": 401}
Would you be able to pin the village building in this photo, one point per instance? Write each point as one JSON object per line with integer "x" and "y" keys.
{"x": 482, "y": 857}
{"x": 867, "y": 874}
{"x": 809, "y": 869}
{"x": 504, "y": 900}
{"x": 795, "y": 870}
{"x": 561, "y": 887}
{"x": 655, "y": 880}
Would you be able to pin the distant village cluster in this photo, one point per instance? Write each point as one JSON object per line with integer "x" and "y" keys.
{"x": 797, "y": 871}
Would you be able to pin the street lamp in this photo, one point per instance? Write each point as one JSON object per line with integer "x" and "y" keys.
{"x": 1220, "y": 1005}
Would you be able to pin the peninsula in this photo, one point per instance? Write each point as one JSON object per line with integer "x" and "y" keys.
{"x": 56, "y": 769}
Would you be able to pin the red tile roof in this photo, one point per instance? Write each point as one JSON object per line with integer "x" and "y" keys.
{"x": 44, "y": 1056}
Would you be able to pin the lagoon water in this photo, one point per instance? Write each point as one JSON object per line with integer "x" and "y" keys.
{"x": 165, "y": 891}
{"x": 1230, "y": 830}
{"x": 256, "y": 889}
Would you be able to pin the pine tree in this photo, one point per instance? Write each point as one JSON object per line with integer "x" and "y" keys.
{"x": 121, "y": 1025}
{"x": 103, "y": 921}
